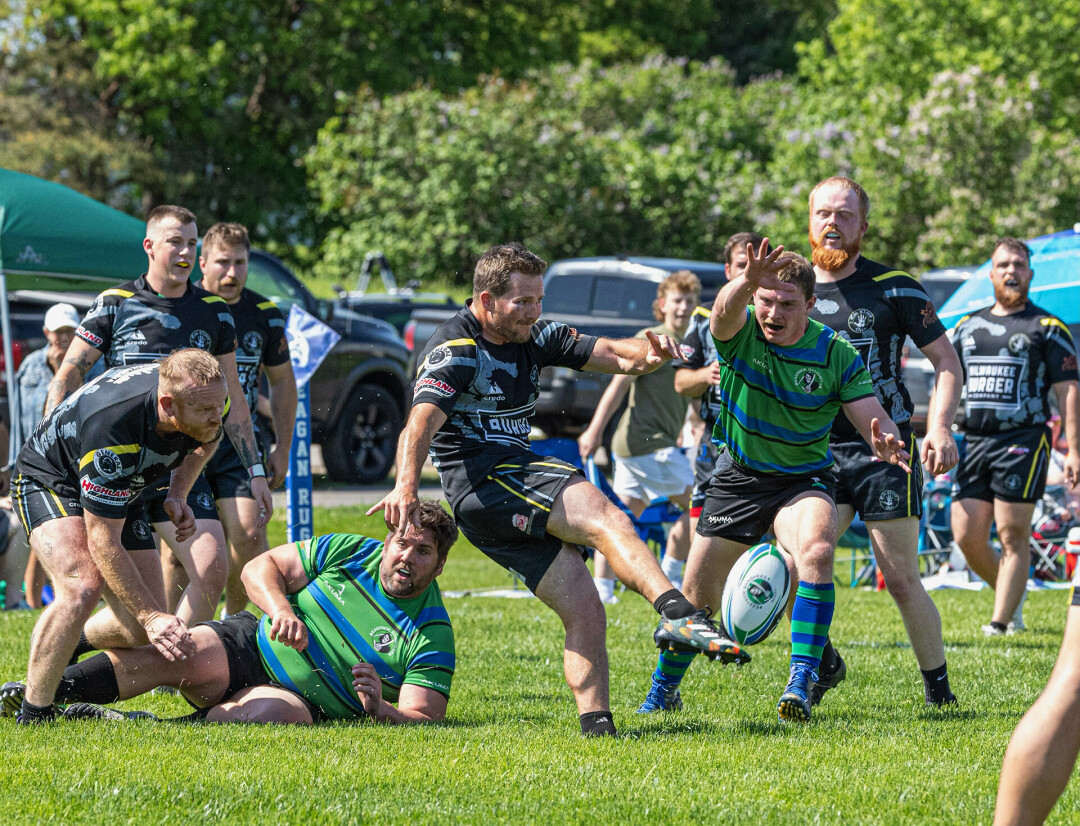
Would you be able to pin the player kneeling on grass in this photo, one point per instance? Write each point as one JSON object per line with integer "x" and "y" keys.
{"x": 785, "y": 377}
{"x": 352, "y": 625}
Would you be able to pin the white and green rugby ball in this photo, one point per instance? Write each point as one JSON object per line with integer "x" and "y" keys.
{"x": 755, "y": 594}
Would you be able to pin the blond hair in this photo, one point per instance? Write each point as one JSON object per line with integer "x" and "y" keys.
{"x": 682, "y": 281}
{"x": 187, "y": 369}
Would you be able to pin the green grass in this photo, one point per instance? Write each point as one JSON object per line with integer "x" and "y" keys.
{"x": 510, "y": 750}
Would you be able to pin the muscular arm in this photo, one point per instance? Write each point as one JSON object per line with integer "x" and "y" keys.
{"x": 268, "y": 579}
{"x": 398, "y": 506}
{"x": 79, "y": 359}
{"x": 633, "y": 356}
{"x": 283, "y": 412}
{"x": 613, "y": 396}
{"x": 879, "y": 431}
{"x": 729, "y": 309}
{"x": 939, "y": 453}
{"x": 1068, "y": 399}
{"x": 416, "y": 704}
{"x": 240, "y": 432}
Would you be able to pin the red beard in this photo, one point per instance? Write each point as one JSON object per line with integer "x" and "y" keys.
{"x": 833, "y": 260}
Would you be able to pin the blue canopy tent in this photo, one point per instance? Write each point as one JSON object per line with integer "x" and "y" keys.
{"x": 1055, "y": 260}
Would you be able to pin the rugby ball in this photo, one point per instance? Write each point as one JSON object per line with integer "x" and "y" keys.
{"x": 755, "y": 594}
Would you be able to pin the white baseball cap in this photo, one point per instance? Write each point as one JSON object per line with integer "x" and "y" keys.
{"x": 61, "y": 316}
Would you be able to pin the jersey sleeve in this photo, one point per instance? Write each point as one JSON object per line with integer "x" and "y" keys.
{"x": 1060, "y": 351}
{"x": 693, "y": 344}
{"x": 226, "y": 327}
{"x": 561, "y": 345}
{"x": 96, "y": 326}
{"x": 446, "y": 370}
{"x": 726, "y": 349}
{"x": 914, "y": 307}
{"x": 433, "y": 661}
{"x": 321, "y": 553}
{"x": 106, "y": 467}
{"x": 855, "y": 381}
{"x": 275, "y": 343}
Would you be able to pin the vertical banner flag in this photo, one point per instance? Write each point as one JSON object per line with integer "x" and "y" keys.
{"x": 309, "y": 342}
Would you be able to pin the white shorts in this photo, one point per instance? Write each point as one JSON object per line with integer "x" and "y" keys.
{"x": 662, "y": 474}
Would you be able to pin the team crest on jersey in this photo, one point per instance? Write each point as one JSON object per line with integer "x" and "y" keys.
{"x": 1019, "y": 343}
{"x": 437, "y": 357}
{"x": 141, "y": 529}
{"x": 860, "y": 321}
{"x": 107, "y": 463}
{"x": 383, "y": 639}
{"x": 521, "y": 522}
{"x": 808, "y": 380}
{"x": 929, "y": 314}
{"x": 889, "y": 500}
{"x": 205, "y": 502}
{"x": 253, "y": 342}
{"x": 200, "y": 339}
{"x": 1013, "y": 481}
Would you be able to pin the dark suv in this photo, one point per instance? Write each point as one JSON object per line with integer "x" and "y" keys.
{"x": 357, "y": 394}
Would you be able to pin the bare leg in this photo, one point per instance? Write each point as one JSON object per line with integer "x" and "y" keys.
{"x": 239, "y": 517}
{"x": 13, "y": 562}
{"x": 202, "y": 677}
{"x": 204, "y": 558}
{"x": 1044, "y": 746}
{"x": 707, "y": 567}
{"x": 34, "y": 577}
{"x": 115, "y": 627}
{"x": 806, "y": 527}
{"x": 971, "y": 521}
{"x": 1014, "y": 528}
{"x": 175, "y": 577}
{"x": 60, "y": 544}
{"x": 601, "y": 568}
{"x": 568, "y": 591}
{"x": 262, "y": 704}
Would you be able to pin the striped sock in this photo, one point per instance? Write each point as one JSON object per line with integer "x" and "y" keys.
{"x": 671, "y": 667}
{"x": 810, "y": 621}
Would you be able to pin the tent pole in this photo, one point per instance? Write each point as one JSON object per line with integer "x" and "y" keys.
{"x": 14, "y": 437}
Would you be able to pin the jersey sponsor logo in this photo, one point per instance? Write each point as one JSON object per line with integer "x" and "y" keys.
{"x": 994, "y": 382}
{"x": 436, "y": 386}
{"x": 100, "y": 493}
{"x": 253, "y": 342}
{"x": 383, "y": 639}
{"x": 719, "y": 520}
{"x": 128, "y": 373}
{"x": 521, "y": 522}
{"x": 929, "y": 314}
{"x": 204, "y": 501}
{"x": 889, "y": 500}
{"x": 137, "y": 337}
{"x": 200, "y": 339}
{"x": 437, "y": 357}
{"x": 107, "y": 463}
{"x": 1019, "y": 343}
{"x": 686, "y": 351}
{"x": 89, "y": 338}
{"x": 511, "y": 427}
{"x": 338, "y": 594}
{"x": 860, "y": 321}
{"x": 1018, "y": 450}
{"x": 808, "y": 380}
{"x": 140, "y": 529}
{"x": 1069, "y": 362}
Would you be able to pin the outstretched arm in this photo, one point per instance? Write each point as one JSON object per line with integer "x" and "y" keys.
{"x": 399, "y": 505}
{"x": 879, "y": 431}
{"x": 729, "y": 310}
{"x": 633, "y": 356}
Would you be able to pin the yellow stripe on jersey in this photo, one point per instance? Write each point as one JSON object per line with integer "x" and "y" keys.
{"x": 702, "y": 311}
{"x": 1050, "y": 321}
{"x": 266, "y": 305}
{"x": 885, "y": 276}
{"x": 228, "y": 405}
{"x": 1044, "y": 445}
{"x": 122, "y": 293}
{"x": 59, "y": 504}
{"x": 210, "y": 299}
{"x": 457, "y": 342}
{"x": 89, "y": 457}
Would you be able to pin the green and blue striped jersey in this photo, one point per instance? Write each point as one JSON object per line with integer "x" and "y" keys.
{"x": 777, "y": 404}
{"x": 351, "y": 619}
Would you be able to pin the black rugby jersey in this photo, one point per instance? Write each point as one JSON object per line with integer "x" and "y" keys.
{"x": 101, "y": 445}
{"x": 488, "y": 392}
{"x": 699, "y": 350}
{"x": 132, "y": 323}
{"x": 260, "y": 339}
{"x": 1010, "y": 362}
{"x": 876, "y": 308}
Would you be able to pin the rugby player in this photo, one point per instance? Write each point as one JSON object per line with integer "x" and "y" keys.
{"x": 877, "y": 308}
{"x": 476, "y": 389}
{"x": 352, "y": 625}
{"x": 1013, "y": 353}
{"x": 260, "y": 344}
{"x": 784, "y": 377}
{"x": 140, "y": 321}
{"x": 76, "y": 491}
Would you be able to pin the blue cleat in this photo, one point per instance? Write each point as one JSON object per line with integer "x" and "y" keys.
{"x": 794, "y": 705}
{"x": 661, "y": 698}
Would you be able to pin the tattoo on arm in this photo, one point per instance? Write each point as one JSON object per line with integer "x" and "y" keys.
{"x": 245, "y": 448}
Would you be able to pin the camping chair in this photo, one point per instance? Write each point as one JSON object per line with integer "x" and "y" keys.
{"x": 935, "y": 527}
{"x": 1050, "y": 527}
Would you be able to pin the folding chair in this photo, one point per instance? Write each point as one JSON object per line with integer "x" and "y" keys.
{"x": 935, "y": 528}
{"x": 1050, "y": 527}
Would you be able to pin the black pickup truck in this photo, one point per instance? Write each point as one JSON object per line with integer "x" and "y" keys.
{"x": 606, "y": 296}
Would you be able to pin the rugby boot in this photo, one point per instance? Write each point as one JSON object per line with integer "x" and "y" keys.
{"x": 89, "y": 711}
{"x": 828, "y": 677}
{"x": 699, "y": 634}
{"x": 661, "y": 698}
{"x": 794, "y": 705}
{"x": 11, "y": 697}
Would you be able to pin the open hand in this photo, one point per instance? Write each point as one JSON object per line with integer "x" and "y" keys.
{"x": 887, "y": 447}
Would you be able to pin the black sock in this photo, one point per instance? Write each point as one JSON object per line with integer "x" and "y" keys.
{"x": 197, "y": 716}
{"x": 597, "y": 724}
{"x": 83, "y": 646}
{"x": 30, "y": 713}
{"x": 999, "y": 626}
{"x": 936, "y": 686}
{"x": 91, "y": 681}
{"x": 673, "y": 605}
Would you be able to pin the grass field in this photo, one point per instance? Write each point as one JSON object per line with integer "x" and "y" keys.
{"x": 510, "y": 749}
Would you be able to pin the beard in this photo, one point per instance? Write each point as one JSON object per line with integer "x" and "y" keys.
{"x": 1011, "y": 299}
{"x": 833, "y": 260}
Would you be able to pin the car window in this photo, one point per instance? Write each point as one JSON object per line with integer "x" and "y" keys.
{"x": 621, "y": 297}
{"x": 568, "y": 294}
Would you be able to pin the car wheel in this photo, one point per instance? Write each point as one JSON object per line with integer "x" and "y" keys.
{"x": 365, "y": 437}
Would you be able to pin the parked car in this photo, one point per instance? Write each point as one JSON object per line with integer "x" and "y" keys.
{"x": 607, "y": 296}
{"x": 357, "y": 394}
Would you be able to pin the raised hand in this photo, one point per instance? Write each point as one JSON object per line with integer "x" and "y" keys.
{"x": 761, "y": 271}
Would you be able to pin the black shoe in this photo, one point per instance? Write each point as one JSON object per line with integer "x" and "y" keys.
{"x": 827, "y": 679}
{"x": 697, "y": 634}
{"x": 89, "y": 711}
{"x": 11, "y": 697}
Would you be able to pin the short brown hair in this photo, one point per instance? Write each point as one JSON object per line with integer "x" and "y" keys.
{"x": 845, "y": 183}
{"x": 798, "y": 271}
{"x": 433, "y": 517}
{"x": 160, "y": 213}
{"x": 738, "y": 241}
{"x": 1013, "y": 245}
{"x": 186, "y": 369}
{"x": 223, "y": 235}
{"x": 682, "y": 281}
{"x": 493, "y": 270}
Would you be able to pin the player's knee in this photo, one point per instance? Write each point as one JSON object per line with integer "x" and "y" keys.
{"x": 815, "y": 553}
{"x": 1014, "y": 538}
{"x": 80, "y": 594}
